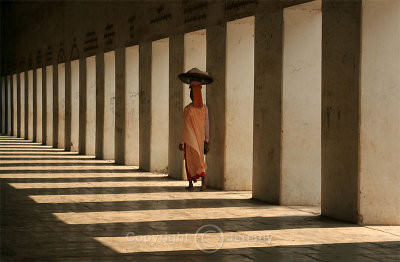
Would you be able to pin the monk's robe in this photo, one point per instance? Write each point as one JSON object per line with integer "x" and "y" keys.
{"x": 194, "y": 133}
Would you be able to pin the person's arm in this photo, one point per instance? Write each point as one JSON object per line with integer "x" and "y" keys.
{"x": 207, "y": 138}
{"x": 181, "y": 144}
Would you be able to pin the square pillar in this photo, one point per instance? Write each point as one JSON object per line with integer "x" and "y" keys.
{"x": 49, "y": 105}
{"x": 29, "y": 104}
{"x": 9, "y": 106}
{"x": 39, "y": 105}
{"x": 131, "y": 120}
{"x": 99, "y": 106}
{"x": 26, "y": 105}
{"x": 61, "y": 105}
{"x": 18, "y": 105}
{"x": 267, "y": 103}
{"x": 239, "y": 100}
{"x": 4, "y": 101}
{"x": 15, "y": 105}
{"x": 91, "y": 105}
{"x": 44, "y": 105}
{"x": 379, "y": 163}
{"x": 74, "y": 106}
{"x": 22, "y": 90}
{"x": 144, "y": 105}
{"x": 68, "y": 107}
{"x": 159, "y": 105}
{"x": 2, "y": 106}
{"x": 216, "y": 62}
{"x": 301, "y": 105}
{"x": 120, "y": 94}
{"x": 34, "y": 104}
{"x": 176, "y": 65}
{"x": 109, "y": 106}
{"x": 340, "y": 109}
{"x": 83, "y": 110}
{"x": 55, "y": 103}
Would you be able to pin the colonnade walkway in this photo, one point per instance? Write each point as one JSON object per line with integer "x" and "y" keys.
{"x": 61, "y": 206}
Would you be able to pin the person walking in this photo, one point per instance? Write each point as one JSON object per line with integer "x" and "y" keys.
{"x": 195, "y": 130}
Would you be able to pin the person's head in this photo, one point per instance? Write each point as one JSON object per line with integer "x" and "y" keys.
{"x": 195, "y": 93}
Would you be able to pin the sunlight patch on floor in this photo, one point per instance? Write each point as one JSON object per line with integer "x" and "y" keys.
{"x": 49, "y": 168}
{"x": 80, "y": 175}
{"x": 33, "y": 152}
{"x": 174, "y": 214}
{"x": 34, "y": 157}
{"x": 90, "y": 198}
{"x": 213, "y": 239}
{"x": 99, "y": 184}
{"x": 45, "y": 162}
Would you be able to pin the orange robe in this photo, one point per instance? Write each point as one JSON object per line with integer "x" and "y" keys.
{"x": 193, "y": 136}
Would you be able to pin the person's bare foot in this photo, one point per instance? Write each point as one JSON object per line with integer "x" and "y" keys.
{"x": 203, "y": 184}
{"x": 190, "y": 187}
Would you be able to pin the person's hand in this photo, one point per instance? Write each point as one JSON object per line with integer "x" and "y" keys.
{"x": 206, "y": 149}
{"x": 181, "y": 147}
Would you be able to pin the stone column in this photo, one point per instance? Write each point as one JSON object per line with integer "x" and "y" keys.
{"x": 44, "y": 105}
{"x": 120, "y": 96}
{"x": 9, "y": 106}
{"x": 216, "y": 62}
{"x": 379, "y": 163}
{"x": 340, "y": 109}
{"x": 34, "y": 104}
{"x": 132, "y": 106}
{"x": 15, "y": 104}
{"x": 67, "y": 107}
{"x": 19, "y": 122}
{"x": 22, "y": 77}
{"x": 91, "y": 105}
{"x": 176, "y": 64}
{"x": 144, "y": 105}
{"x": 82, "y": 106}
{"x": 159, "y": 105}
{"x": 109, "y": 106}
{"x": 301, "y": 105}
{"x": 239, "y": 102}
{"x": 49, "y": 105}
{"x": 75, "y": 126}
{"x": 55, "y": 105}
{"x": 5, "y": 99}
{"x": 267, "y": 103}
{"x": 360, "y": 111}
{"x": 99, "y": 106}
{"x": 3, "y": 105}
{"x": 39, "y": 105}
{"x": 61, "y": 105}
{"x": 29, "y": 103}
{"x": 26, "y": 104}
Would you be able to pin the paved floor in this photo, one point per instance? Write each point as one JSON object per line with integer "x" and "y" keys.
{"x": 60, "y": 206}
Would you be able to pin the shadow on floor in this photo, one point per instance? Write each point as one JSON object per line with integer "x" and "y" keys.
{"x": 31, "y": 232}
